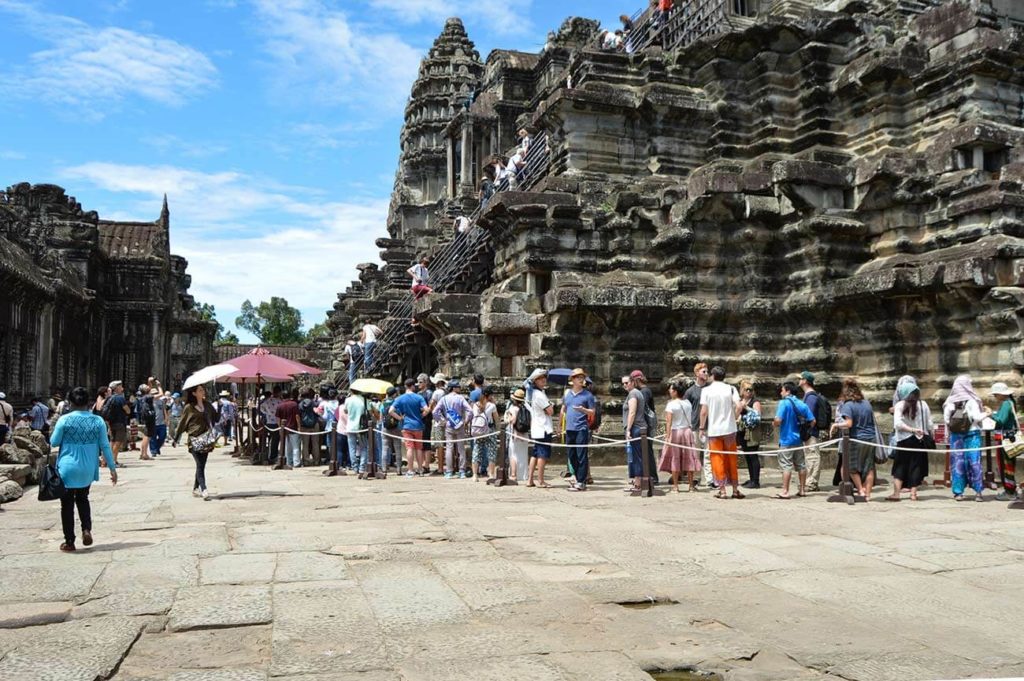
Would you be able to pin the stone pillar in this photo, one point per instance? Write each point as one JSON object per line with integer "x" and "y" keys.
{"x": 450, "y": 187}
{"x": 158, "y": 369}
{"x": 42, "y": 374}
{"x": 467, "y": 155}
{"x": 979, "y": 158}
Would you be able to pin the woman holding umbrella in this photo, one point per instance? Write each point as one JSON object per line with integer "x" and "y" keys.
{"x": 197, "y": 423}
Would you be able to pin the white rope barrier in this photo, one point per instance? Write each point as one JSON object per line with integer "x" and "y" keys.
{"x": 928, "y": 451}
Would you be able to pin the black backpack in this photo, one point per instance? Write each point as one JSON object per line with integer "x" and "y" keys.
{"x": 959, "y": 421}
{"x": 822, "y": 413}
{"x": 357, "y": 353}
{"x": 307, "y": 417}
{"x": 523, "y": 419}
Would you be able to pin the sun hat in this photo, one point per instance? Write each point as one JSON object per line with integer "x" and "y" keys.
{"x": 223, "y": 393}
{"x": 1000, "y": 388}
{"x": 519, "y": 395}
{"x": 577, "y": 372}
{"x": 537, "y": 373}
{"x": 809, "y": 377}
{"x": 439, "y": 378}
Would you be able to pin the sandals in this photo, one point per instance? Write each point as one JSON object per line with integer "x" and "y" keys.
{"x": 720, "y": 495}
{"x": 893, "y": 497}
{"x": 544, "y": 485}
{"x": 783, "y": 496}
{"x": 738, "y": 495}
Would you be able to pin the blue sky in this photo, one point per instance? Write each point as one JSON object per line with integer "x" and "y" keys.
{"x": 272, "y": 125}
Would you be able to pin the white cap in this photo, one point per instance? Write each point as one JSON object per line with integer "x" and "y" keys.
{"x": 537, "y": 373}
{"x": 114, "y": 384}
{"x": 1000, "y": 388}
{"x": 3, "y": 396}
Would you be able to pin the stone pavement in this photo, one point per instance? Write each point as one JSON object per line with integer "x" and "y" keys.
{"x": 291, "y": 575}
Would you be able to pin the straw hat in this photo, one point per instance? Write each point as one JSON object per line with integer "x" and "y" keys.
{"x": 439, "y": 378}
{"x": 519, "y": 395}
{"x": 1000, "y": 388}
{"x": 577, "y": 372}
{"x": 223, "y": 393}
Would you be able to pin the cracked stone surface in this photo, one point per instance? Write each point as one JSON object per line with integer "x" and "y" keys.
{"x": 458, "y": 580}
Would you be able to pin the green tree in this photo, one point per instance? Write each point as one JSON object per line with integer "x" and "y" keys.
{"x": 274, "y": 323}
{"x": 207, "y": 312}
{"x": 317, "y": 331}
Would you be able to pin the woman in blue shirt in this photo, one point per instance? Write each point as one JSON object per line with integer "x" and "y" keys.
{"x": 81, "y": 436}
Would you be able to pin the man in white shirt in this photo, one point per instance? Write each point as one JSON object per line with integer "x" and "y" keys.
{"x": 369, "y": 340}
{"x": 541, "y": 428}
{"x": 719, "y": 408}
{"x": 461, "y": 224}
{"x": 516, "y": 164}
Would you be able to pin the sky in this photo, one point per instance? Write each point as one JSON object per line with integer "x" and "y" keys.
{"x": 271, "y": 125}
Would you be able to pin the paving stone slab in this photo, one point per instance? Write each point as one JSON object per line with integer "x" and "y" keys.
{"x": 407, "y": 595}
{"x": 82, "y": 650}
{"x": 135, "y": 574}
{"x": 17, "y": 615}
{"x": 62, "y": 580}
{"x": 482, "y": 669}
{"x": 220, "y": 606}
{"x": 238, "y": 650}
{"x": 309, "y": 566}
{"x": 144, "y": 602}
{"x": 238, "y": 568}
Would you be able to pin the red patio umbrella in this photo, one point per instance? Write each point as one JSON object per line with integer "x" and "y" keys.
{"x": 260, "y": 363}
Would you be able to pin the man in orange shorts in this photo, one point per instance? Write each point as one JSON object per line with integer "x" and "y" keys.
{"x": 411, "y": 408}
{"x": 719, "y": 408}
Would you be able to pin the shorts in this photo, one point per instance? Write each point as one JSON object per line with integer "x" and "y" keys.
{"x": 438, "y": 436}
{"x": 143, "y": 430}
{"x": 119, "y": 433}
{"x": 413, "y": 439}
{"x": 793, "y": 460}
{"x": 542, "y": 448}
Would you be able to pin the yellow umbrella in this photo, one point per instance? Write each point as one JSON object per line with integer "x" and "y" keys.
{"x": 372, "y": 386}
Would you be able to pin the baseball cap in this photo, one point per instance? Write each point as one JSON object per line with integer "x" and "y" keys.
{"x": 114, "y": 384}
{"x": 807, "y": 376}
{"x": 636, "y": 373}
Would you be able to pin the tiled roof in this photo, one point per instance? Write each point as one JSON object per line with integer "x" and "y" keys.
{"x": 132, "y": 239}
{"x": 297, "y": 353}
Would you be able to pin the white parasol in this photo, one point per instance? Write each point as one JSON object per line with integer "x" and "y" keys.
{"x": 209, "y": 374}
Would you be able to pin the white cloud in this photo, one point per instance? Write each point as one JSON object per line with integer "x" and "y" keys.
{"x": 319, "y": 54}
{"x": 8, "y": 155}
{"x": 167, "y": 143}
{"x": 246, "y": 236}
{"x": 508, "y": 17}
{"x": 94, "y": 68}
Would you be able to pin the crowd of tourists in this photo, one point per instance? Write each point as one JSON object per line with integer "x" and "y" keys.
{"x": 434, "y": 425}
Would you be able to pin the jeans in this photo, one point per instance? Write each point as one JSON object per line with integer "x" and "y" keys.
{"x": 69, "y": 500}
{"x": 368, "y": 357}
{"x": 273, "y": 444}
{"x": 358, "y": 447}
{"x": 353, "y": 371}
{"x": 200, "y": 481}
{"x": 292, "y": 451}
{"x": 634, "y": 452}
{"x": 158, "y": 439}
{"x": 341, "y": 455}
{"x": 391, "y": 447}
{"x": 578, "y": 457}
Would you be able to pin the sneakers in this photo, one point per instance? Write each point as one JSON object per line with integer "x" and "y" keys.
{"x": 1003, "y": 496}
{"x": 195, "y": 492}
{"x": 205, "y": 494}
{"x": 410, "y": 474}
{"x": 462, "y": 475}
{"x": 447, "y": 476}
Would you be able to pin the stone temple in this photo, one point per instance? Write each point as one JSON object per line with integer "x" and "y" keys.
{"x": 86, "y": 300}
{"x": 774, "y": 186}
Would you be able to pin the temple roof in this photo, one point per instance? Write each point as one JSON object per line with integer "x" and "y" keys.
{"x": 132, "y": 239}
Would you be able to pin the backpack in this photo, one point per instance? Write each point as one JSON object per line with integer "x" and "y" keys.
{"x": 307, "y": 417}
{"x": 959, "y": 421}
{"x": 105, "y": 410}
{"x": 390, "y": 422}
{"x": 523, "y": 419}
{"x": 822, "y": 413}
{"x": 478, "y": 426}
{"x": 356, "y": 353}
{"x": 594, "y": 422}
{"x": 806, "y": 432}
{"x": 452, "y": 416}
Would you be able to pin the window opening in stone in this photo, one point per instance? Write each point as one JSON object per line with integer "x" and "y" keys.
{"x": 964, "y": 158}
{"x": 994, "y": 160}
{"x": 542, "y": 280}
{"x": 744, "y": 8}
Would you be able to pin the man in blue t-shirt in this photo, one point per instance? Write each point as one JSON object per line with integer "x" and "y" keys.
{"x": 787, "y": 419}
{"x": 411, "y": 408}
{"x": 578, "y": 406}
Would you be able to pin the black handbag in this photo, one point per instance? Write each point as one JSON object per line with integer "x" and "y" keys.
{"x": 51, "y": 487}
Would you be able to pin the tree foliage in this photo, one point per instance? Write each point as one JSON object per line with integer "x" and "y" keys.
{"x": 274, "y": 323}
{"x": 318, "y": 331}
{"x": 207, "y": 312}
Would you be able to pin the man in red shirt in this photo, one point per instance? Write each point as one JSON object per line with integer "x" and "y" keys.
{"x": 288, "y": 418}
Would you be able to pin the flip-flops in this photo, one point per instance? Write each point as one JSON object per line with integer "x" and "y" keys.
{"x": 783, "y": 496}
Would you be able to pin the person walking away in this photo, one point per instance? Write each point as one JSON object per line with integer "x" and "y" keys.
{"x": 455, "y": 413}
{"x": 368, "y": 337}
{"x": 40, "y": 414}
{"x": 481, "y": 424}
{"x": 116, "y": 413}
{"x": 748, "y": 433}
{"x": 790, "y": 415}
{"x": 420, "y": 278}
{"x": 822, "y": 411}
{"x": 963, "y": 412}
{"x": 174, "y": 417}
{"x": 288, "y": 416}
{"x": 855, "y": 414}
{"x": 1008, "y": 427}
{"x": 912, "y": 424}
{"x": 634, "y": 425}
{"x": 81, "y": 437}
{"x": 6, "y": 418}
{"x": 680, "y": 454}
{"x": 578, "y": 407}
{"x": 269, "y": 409}
{"x": 650, "y": 418}
{"x": 328, "y": 411}
{"x": 517, "y": 445}
{"x": 411, "y": 408}
{"x": 692, "y": 395}
{"x": 390, "y": 450}
{"x": 357, "y": 411}
{"x": 197, "y": 419}
{"x": 541, "y": 428}
{"x": 309, "y": 425}
{"x": 719, "y": 407}
{"x": 434, "y": 426}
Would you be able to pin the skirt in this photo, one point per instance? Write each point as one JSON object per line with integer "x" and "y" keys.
{"x": 680, "y": 454}
{"x": 910, "y": 467}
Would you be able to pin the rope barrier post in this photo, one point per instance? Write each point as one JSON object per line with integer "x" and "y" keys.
{"x": 845, "y": 491}
{"x": 990, "y": 477}
{"x": 371, "y": 446}
{"x": 501, "y": 464}
{"x": 645, "y": 488}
